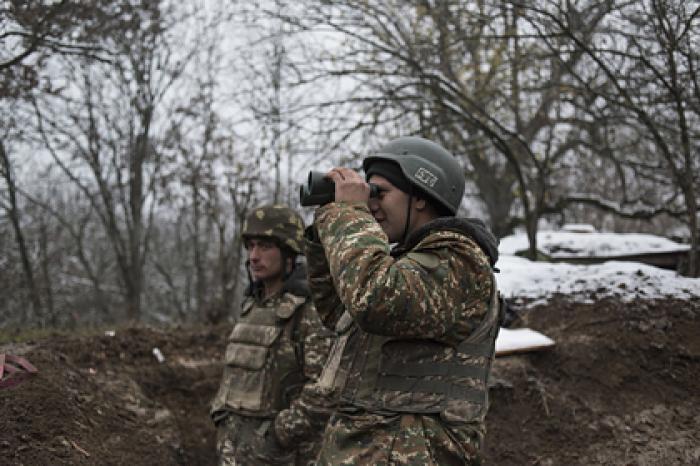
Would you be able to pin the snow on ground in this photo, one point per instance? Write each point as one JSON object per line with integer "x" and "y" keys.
{"x": 536, "y": 281}
{"x": 570, "y": 244}
{"x": 520, "y": 339}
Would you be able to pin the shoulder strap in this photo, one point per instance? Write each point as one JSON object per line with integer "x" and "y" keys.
{"x": 292, "y": 331}
{"x": 491, "y": 318}
{"x": 296, "y": 333}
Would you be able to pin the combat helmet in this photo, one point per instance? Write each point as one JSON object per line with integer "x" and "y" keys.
{"x": 278, "y": 222}
{"x": 427, "y": 166}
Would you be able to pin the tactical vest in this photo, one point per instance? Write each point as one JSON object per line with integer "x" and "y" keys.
{"x": 394, "y": 375}
{"x": 263, "y": 363}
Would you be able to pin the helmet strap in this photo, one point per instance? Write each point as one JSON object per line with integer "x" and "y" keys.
{"x": 408, "y": 213}
{"x": 252, "y": 285}
{"x": 287, "y": 255}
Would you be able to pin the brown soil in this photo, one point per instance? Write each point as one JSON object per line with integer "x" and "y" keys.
{"x": 620, "y": 387}
{"x": 106, "y": 400}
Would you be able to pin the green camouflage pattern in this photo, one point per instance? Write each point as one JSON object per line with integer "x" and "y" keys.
{"x": 413, "y": 296}
{"x": 305, "y": 420}
{"x": 241, "y": 440}
{"x": 438, "y": 291}
{"x": 376, "y": 440}
{"x": 241, "y": 431}
{"x": 278, "y": 222}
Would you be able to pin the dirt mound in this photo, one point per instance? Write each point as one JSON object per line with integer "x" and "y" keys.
{"x": 107, "y": 400}
{"x": 620, "y": 387}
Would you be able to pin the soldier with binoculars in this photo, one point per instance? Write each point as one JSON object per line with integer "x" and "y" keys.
{"x": 416, "y": 322}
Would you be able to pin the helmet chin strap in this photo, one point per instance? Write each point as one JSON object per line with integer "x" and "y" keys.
{"x": 408, "y": 214}
{"x": 285, "y": 257}
{"x": 251, "y": 283}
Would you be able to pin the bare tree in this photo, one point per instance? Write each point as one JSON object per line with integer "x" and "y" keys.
{"x": 64, "y": 211}
{"x": 13, "y": 210}
{"x": 32, "y": 32}
{"x": 209, "y": 162}
{"x": 648, "y": 53}
{"x": 472, "y": 76}
{"x": 105, "y": 120}
{"x": 267, "y": 65}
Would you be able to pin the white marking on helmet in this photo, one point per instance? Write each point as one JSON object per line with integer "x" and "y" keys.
{"x": 426, "y": 177}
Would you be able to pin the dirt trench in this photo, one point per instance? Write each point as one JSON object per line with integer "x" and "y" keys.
{"x": 620, "y": 387}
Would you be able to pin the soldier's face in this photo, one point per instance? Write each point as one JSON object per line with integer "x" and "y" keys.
{"x": 265, "y": 259}
{"x": 389, "y": 208}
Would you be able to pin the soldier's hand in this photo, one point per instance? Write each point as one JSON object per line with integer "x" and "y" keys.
{"x": 349, "y": 185}
{"x": 272, "y": 452}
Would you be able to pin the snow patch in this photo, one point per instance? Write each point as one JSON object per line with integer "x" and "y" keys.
{"x": 522, "y": 278}
{"x": 591, "y": 244}
{"x": 520, "y": 340}
{"x": 538, "y": 281}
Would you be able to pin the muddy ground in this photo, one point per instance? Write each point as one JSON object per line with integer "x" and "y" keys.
{"x": 622, "y": 387}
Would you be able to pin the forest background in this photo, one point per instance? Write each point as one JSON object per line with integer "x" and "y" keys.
{"x": 136, "y": 136}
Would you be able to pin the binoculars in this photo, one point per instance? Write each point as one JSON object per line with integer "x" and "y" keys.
{"x": 320, "y": 190}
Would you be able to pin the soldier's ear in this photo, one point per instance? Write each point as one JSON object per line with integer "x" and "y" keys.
{"x": 420, "y": 204}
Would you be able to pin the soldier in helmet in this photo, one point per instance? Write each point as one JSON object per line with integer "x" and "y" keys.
{"x": 416, "y": 323}
{"x": 277, "y": 346}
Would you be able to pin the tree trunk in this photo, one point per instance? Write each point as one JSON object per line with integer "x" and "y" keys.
{"x": 133, "y": 301}
{"x": 497, "y": 195}
{"x": 14, "y": 214}
{"x": 199, "y": 268}
{"x": 46, "y": 272}
{"x": 136, "y": 236}
{"x": 693, "y": 225}
{"x": 531, "y": 229}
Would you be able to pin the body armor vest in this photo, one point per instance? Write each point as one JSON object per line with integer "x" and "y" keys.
{"x": 263, "y": 362}
{"x": 394, "y": 375}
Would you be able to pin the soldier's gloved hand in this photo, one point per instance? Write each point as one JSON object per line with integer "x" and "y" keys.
{"x": 272, "y": 451}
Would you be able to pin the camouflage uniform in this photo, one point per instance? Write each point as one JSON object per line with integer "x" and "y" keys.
{"x": 277, "y": 348}
{"x": 417, "y": 328}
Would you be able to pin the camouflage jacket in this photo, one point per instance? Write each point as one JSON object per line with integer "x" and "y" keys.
{"x": 302, "y": 339}
{"x": 435, "y": 289}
